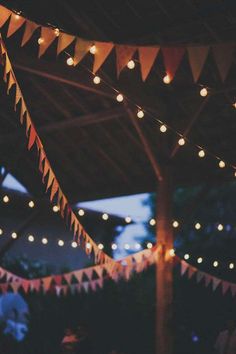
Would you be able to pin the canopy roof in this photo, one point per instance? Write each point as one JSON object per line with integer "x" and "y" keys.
{"x": 90, "y": 138}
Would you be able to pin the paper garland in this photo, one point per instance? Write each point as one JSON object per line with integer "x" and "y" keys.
{"x": 172, "y": 55}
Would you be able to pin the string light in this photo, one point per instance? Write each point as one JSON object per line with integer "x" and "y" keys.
{"x": 234, "y": 105}
{"x": 126, "y": 246}
{"x": 200, "y": 260}
{"x": 166, "y": 79}
{"x": 163, "y": 128}
{"x": 201, "y": 153}
{"x": 197, "y": 226}
{"x": 231, "y": 266}
{"x": 114, "y": 246}
{"x": 1, "y": 231}
{"x": 40, "y": 40}
{"x": 96, "y": 80}
{"x": 175, "y": 224}
{"x": 128, "y": 219}
{"x": 55, "y": 208}
{"x": 120, "y": 98}
{"x": 215, "y": 264}
{"x": 81, "y": 212}
{"x": 74, "y": 244}
{"x": 140, "y": 114}
{"x": 186, "y": 256}
{"x": 220, "y": 227}
{"x": 152, "y": 222}
{"x": 131, "y": 64}
{"x": 31, "y": 204}
{"x": 14, "y": 235}
{"x": 70, "y": 61}
{"x": 57, "y": 32}
{"x": 6, "y": 199}
{"x": 221, "y": 164}
{"x": 100, "y": 246}
{"x": 105, "y": 216}
{"x": 93, "y": 49}
{"x": 203, "y": 92}
{"x": 60, "y": 243}
{"x": 137, "y": 246}
{"x": 31, "y": 238}
{"x": 44, "y": 241}
{"x": 149, "y": 245}
{"x": 172, "y": 252}
{"x": 181, "y": 141}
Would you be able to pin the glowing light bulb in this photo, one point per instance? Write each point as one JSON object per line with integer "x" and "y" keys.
{"x": 44, "y": 241}
{"x": 60, "y": 243}
{"x": 100, "y": 246}
{"x": 203, "y": 92}
{"x": 140, "y": 114}
{"x": 152, "y": 222}
{"x": 120, "y": 98}
{"x": 166, "y": 79}
{"x": 70, "y": 61}
{"x": 186, "y": 256}
{"x": 81, "y": 212}
{"x": 234, "y": 105}
{"x": 6, "y": 199}
{"x": 31, "y": 204}
{"x": 17, "y": 17}
{"x": 200, "y": 260}
{"x": 57, "y": 32}
{"x": 197, "y": 226}
{"x": 126, "y": 246}
{"x": 175, "y": 224}
{"x": 231, "y": 266}
{"x": 40, "y": 40}
{"x": 163, "y": 128}
{"x": 215, "y": 264}
{"x": 235, "y": 174}
{"x": 1, "y": 231}
{"x": 14, "y": 235}
{"x": 181, "y": 141}
{"x": 220, "y": 227}
{"x": 137, "y": 246}
{"x": 93, "y": 49}
{"x": 114, "y": 246}
{"x": 31, "y": 238}
{"x": 221, "y": 164}
{"x": 96, "y": 80}
{"x": 172, "y": 252}
{"x": 149, "y": 245}
{"x": 105, "y": 216}
{"x": 201, "y": 153}
{"x": 128, "y": 219}
{"x": 55, "y": 208}
{"x": 73, "y": 244}
{"x": 131, "y": 64}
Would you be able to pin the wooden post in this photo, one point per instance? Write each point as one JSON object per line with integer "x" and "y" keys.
{"x": 164, "y": 268}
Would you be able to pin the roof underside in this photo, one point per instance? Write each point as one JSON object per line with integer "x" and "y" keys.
{"x": 89, "y": 137}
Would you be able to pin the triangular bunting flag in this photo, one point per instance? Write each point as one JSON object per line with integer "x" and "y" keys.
{"x": 30, "y": 27}
{"x": 99, "y": 271}
{"x": 81, "y": 49}
{"x": 184, "y": 267}
{"x": 50, "y": 179}
{"x": 18, "y": 96}
{"x": 22, "y": 111}
{"x": 200, "y": 276}
{"x": 25, "y": 285}
{"x": 68, "y": 277}
{"x": 46, "y": 283}
{"x": 58, "y": 290}
{"x": 64, "y": 40}
{"x": 32, "y": 137}
{"x": 147, "y": 56}
{"x": 54, "y": 189}
{"x": 123, "y": 54}
{"x": 35, "y": 284}
{"x": 4, "y": 15}
{"x": 57, "y": 279}
{"x": 100, "y": 282}
{"x": 223, "y": 54}
{"x": 89, "y": 273}
{"x": 47, "y": 37}
{"x": 93, "y": 285}
{"x": 225, "y": 287}
{"x": 233, "y": 289}
{"x": 172, "y": 58}
{"x": 85, "y": 286}
{"x": 103, "y": 49}
{"x": 215, "y": 283}
{"x": 197, "y": 57}
{"x": 78, "y": 275}
{"x": 208, "y": 279}
{"x": 16, "y": 22}
{"x": 11, "y": 82}
{"x": 191, "y": 271}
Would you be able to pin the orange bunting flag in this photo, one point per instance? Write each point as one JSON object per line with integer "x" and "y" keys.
{"x": 172, "y": 57}
{"x": 147, "y": 56}
{"x": 48, "y": 35}
{"x": 18, "y": 96}
{"x": 81, "y": 49}
{"x": 11, "y": 82}
{"x": 16, "y": 22}
{"x": 32, "y": 137}
{"x": 123, "y": 54}
{"x": 22, "y": 111}
{"x": 54, "y": 189}
{"x": 197, "y": 57}
{"x": 50, "y": 179}
{"x": 223, "y": 55}
{"x": 64, "y": 40}
{"x": 4, "y": 15}
{"x": 46, "y": 283}
{"x": 30, "y": 27}
{"x": 103, "y": 49}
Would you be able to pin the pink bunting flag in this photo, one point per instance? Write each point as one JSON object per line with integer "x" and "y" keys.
{"x": 35, "y": 284}
{"x": 225, "y": 287}
{"x": 25, "y": 285}
{"x": 191, "y": 272}
{"x": 223, "y": 55}
{"x": 208, "y": 279}
{"x": 103, "y": 49}
{"x": 184, "y": 267}
{"x": 4, "y": 15}
{"x": 78, "y": 275}
{"x": 30, "y": 27}
{"x": 57, "y": 279}
{"x": 85, "y": 286}
{"x": 16, "y": 22}
{"x": 46, "y": 283}
{"x": 197, "y": 57}
{"x": 215, "y": 283}
{"x": 123, "y": 54}
{"x": 89, "y": 273}
{"x": 172, "y": 59}
{"x": 147, "y": 56}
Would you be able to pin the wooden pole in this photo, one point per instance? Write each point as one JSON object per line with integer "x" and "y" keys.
{"x": 164, "y": 268}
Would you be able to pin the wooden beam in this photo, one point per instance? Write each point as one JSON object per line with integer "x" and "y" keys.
{"x": 146, "y": 146}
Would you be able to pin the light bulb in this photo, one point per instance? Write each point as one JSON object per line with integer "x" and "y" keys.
{"x": 140, "y": 114}
{"x": 203, "y": 92}
{"x": 152, "y": 222}
{"x": 31, "y": 238}
{"x": 14, "y": 235}
{"x": 215, "y": 264}
{"x": 17, "y": 17}
{"x": 126, "y": 246}
{"x": 200, "y": 260}
{"x": 186, "y": 256}
{"x": 220, "y": 227}
{"x": 73, "y": 244}
{"x": 172, "y": 252}
{"x": 31, "y": 204}
{"x": 231, "y": 266}
{"x": 1, "y": 231}
{"x": 105, "y": 216}
{"x": 197, "y": 226}
{"x": 221, "y": 164}
{"x": 70, "y": 61}
{"x": 40, "y": 40}
{"x": 96, "y": 80}
{"x": 93, "y": 49}
{"x": 114, "y": 246}
{"x": 163, "y": 128}
{"x": 60, "y": 243}
{"x": 88, "y": 245}
{"x": 81, "y": 212}
{"x": 128, "y": 219}
{"x": 57, "y": 32}
{"x": 6, "y": 199}
{"x": 234, "y": 104}
{"x": 175, "y": 224}
{"x": 100, "y": 246}
{"x": 131, "y": 64}
{"x": 120, "y": 98}
{"x": 44, "y": 240}
{"x": 201, "y": 153}
{"x": 149, "y": 245}
{"x": 166, "y": 79}
{"x": 55, "y": 208}
{"x": 137, "y": 246}
{"x": 235, "y": 174}
{"x": 181, "y": 141}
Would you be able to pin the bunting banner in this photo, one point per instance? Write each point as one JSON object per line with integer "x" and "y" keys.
{"x": 172, "y": 55}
